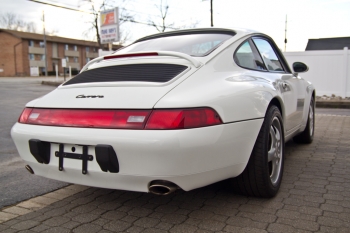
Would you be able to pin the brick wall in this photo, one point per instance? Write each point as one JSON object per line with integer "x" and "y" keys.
{"x": 7, "y": 60}
{"x": 18, "y": 64}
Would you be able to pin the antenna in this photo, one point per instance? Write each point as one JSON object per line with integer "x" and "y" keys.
{"x": 285, "y": 37}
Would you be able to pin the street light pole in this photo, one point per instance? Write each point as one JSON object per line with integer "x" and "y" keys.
{"x": 45, "y": 44}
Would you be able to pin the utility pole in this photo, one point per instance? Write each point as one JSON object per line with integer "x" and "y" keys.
{"x": 45, "y": 44}
{"x": 285, "y": 37}
{"x": 211, "y": 12}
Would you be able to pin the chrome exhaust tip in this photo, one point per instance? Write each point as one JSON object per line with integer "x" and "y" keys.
{"x": 29, "y": 169}
{"x": 162, "y": 187}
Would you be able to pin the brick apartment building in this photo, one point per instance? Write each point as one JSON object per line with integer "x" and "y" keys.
{"x": 21, "y": 50}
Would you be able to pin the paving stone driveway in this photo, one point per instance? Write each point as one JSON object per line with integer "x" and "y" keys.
{"x": 314, "y": 197}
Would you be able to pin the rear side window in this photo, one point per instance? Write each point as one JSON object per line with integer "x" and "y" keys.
{"x": 268, "y": 54}
{"x": 246, "y": 56}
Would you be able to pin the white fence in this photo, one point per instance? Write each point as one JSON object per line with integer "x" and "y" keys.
{"x": 329, "y": 70}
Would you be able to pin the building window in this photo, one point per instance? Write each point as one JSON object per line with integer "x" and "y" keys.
{"x": 31, "y": 43}
{"x": 87, "y": 49}
{"x": 66, "y": 47}
{"x": 75, "y": 59}
{"x": 94, "y": 49}
{"x": 42, "y": 44}
{"x": 75, "y": 48}
{"x": 31, "y": 57}
{"x": 43, "y": 57}
{"x": 88, "y": 59}
{"x": 67, "y": 59}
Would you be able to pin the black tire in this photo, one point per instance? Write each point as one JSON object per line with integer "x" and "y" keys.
{"x": 307, "y": 135}
{"x": 261, "y": 178}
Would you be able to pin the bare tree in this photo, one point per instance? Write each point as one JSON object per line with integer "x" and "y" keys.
{"x": 163, "y": 9}
{"x": 12, "y": 21}
{"x": 30, "y": 27}
{"x": 52, "y": 32}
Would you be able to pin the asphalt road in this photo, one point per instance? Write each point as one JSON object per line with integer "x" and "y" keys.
{"x": 16, "y": 184}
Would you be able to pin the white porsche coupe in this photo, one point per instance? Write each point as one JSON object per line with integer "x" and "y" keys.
{"x": 175, "y": 110}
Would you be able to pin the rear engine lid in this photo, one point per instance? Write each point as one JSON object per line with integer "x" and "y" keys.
{"x": 125, "y": 84}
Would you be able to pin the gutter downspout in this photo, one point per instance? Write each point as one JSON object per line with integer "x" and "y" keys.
{"x": 14, "y": 52}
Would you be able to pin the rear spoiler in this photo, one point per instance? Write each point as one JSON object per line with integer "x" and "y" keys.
{"x": 195, "y": 62}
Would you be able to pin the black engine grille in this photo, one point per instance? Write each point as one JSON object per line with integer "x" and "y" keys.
{"x": 130, "y": 73}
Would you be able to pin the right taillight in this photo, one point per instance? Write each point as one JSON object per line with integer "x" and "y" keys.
{"x": 182, "y": 118}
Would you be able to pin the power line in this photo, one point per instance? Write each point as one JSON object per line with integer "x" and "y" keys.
{"x": 61, "y": 6}
{"x": 148, "y": 24}
{"x": 138, "y": 12}
{"x": 126, "y": 19}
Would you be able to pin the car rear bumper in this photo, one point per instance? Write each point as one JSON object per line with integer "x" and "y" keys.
{"x": 190, "y": 158}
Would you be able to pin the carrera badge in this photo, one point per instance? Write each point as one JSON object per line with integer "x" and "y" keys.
{"x": 89, "y": 96}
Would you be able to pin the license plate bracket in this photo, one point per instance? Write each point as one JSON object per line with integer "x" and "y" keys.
{"x": 85, "y": 157}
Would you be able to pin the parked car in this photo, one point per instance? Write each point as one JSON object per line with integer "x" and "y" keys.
{"x": 181, "y": 109}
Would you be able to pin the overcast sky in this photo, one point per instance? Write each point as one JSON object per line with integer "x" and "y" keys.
{"x": 306, "y": 18}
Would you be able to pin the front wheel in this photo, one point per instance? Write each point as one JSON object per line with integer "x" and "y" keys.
{"x": 263, "y": 173}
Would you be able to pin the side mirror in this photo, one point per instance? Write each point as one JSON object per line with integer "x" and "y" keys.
{"x": 300, "y": 67}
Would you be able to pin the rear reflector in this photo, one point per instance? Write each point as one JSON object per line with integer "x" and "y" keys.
{"x": 158, "y": 119}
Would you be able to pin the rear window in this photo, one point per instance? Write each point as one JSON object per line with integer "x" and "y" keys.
{"x": 197, "y": 45}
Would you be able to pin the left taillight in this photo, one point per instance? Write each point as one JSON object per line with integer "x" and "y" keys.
{"x": 24, "y": 115}
{"x": 86, "y": 118}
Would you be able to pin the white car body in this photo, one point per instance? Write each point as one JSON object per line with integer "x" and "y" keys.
{"x": 189, "y": 158}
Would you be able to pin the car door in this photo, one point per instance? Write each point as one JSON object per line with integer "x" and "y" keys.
{"x": 291, "y": 86}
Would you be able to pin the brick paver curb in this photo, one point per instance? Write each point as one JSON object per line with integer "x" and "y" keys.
{"x": 39, "y": 202}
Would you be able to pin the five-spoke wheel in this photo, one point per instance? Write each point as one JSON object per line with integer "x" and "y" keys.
{"x": 263, "y": 174}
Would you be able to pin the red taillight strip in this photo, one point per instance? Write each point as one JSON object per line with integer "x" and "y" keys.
{"x": 117, "y": 119}
{"x": 130, "y": 55}
{"x": 158, "y": 119}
